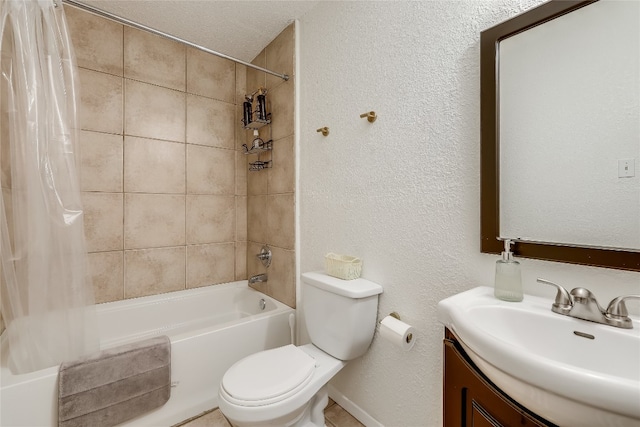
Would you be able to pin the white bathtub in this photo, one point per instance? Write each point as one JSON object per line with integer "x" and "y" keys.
{"x": 210, "y": 328}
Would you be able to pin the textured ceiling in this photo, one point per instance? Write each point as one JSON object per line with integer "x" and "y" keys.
{"x": 240, "y": 28}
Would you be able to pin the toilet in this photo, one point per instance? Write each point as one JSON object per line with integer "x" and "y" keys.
{"x": 287, "y": 386}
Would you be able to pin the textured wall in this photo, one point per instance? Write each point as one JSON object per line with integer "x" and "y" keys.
{"x": 403, "y": 193}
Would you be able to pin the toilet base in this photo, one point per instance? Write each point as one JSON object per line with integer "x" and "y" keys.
{"x": 311, "y": 415}
{"x": 314, "y": 414}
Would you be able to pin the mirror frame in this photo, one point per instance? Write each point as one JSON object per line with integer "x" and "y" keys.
{"x": 490, "y": 154}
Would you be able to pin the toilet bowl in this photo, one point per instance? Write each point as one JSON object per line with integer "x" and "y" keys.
{"x": 287, "y": 386}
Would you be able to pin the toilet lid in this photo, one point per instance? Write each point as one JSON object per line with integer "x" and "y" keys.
{"x": 268, "y": 376}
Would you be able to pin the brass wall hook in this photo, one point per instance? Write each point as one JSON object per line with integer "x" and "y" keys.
{"x": 323, "y": 130}
{"x": 371, "y": 116}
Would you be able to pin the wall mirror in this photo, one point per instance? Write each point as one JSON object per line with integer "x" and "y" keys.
{"x": 560, "y": 119}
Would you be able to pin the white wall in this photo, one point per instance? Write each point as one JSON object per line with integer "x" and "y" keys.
{"x": 403, "y": 193}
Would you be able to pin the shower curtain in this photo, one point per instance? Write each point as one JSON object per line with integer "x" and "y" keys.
{"x": 47, "y": 299}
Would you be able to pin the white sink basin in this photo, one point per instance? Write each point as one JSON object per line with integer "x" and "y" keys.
{"x": 570, "y": 371}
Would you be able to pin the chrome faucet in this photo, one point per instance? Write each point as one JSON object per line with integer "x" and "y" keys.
{"x": 258, "y": 278}
{"x": 582, "y": 304}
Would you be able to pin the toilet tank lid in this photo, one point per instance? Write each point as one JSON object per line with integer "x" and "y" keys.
{"x": 356, "y": 288}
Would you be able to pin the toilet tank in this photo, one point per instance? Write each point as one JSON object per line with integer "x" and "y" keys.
{"x": 340, "y": 314}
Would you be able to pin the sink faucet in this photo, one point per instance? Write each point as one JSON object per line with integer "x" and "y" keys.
{"x": 258, "y": 278}
{"x": 582, "y": 304}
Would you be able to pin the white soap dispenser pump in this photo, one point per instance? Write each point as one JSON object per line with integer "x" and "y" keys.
{"x": 508, "y": 284}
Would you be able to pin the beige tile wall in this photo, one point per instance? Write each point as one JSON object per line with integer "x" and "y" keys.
{"x": 5, "y": 171}
{"x": 164, "y": 191}
{"x": 164, "y": 181}
{"x": 271, "y": 200}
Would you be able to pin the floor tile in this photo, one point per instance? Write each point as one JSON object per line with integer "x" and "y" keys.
{"x": 335, "y": 416}
{"x": 210, "y": 419}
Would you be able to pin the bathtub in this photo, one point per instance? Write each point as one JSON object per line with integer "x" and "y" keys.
{"x": 210, "y": 328}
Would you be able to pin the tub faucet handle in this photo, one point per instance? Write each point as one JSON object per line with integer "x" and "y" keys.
{"x": 265, "y": 256}
{"x": 563, "y": 302}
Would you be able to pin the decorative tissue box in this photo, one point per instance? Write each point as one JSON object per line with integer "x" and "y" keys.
{"x": 342, "y": 266}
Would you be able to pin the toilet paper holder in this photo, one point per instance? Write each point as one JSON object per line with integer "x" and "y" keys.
{"x": 394, "y": 314}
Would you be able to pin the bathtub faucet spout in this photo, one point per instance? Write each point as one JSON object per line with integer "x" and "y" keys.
{"x": 258, "y": 278}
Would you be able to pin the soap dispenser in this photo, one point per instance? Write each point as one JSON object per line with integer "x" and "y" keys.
{"x": 508, "y": 284}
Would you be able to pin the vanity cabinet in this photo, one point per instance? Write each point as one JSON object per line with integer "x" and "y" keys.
{"x": 471, "y": 400}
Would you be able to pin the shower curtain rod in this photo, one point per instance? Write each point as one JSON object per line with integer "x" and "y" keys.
{"x": 125, "y": 21}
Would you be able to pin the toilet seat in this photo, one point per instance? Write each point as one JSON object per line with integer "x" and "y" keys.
{"x": 268, "y": 376}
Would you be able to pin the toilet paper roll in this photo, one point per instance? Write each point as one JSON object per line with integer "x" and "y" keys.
{"x": 398, "y": 332}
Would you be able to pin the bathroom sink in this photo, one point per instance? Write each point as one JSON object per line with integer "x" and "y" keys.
{"x": 567, "y": 370}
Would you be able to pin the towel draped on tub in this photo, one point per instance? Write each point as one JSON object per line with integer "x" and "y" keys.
{"x": 114, "y": 385}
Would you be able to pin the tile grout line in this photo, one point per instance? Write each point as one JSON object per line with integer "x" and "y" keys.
{"x": 124, "y": 259}
{"x": 186, "y": 118}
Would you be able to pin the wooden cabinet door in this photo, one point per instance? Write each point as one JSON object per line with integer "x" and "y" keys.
{"x": 470, "y": 400}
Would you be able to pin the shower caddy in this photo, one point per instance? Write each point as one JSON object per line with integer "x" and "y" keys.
{"x": 254, "y": 119}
